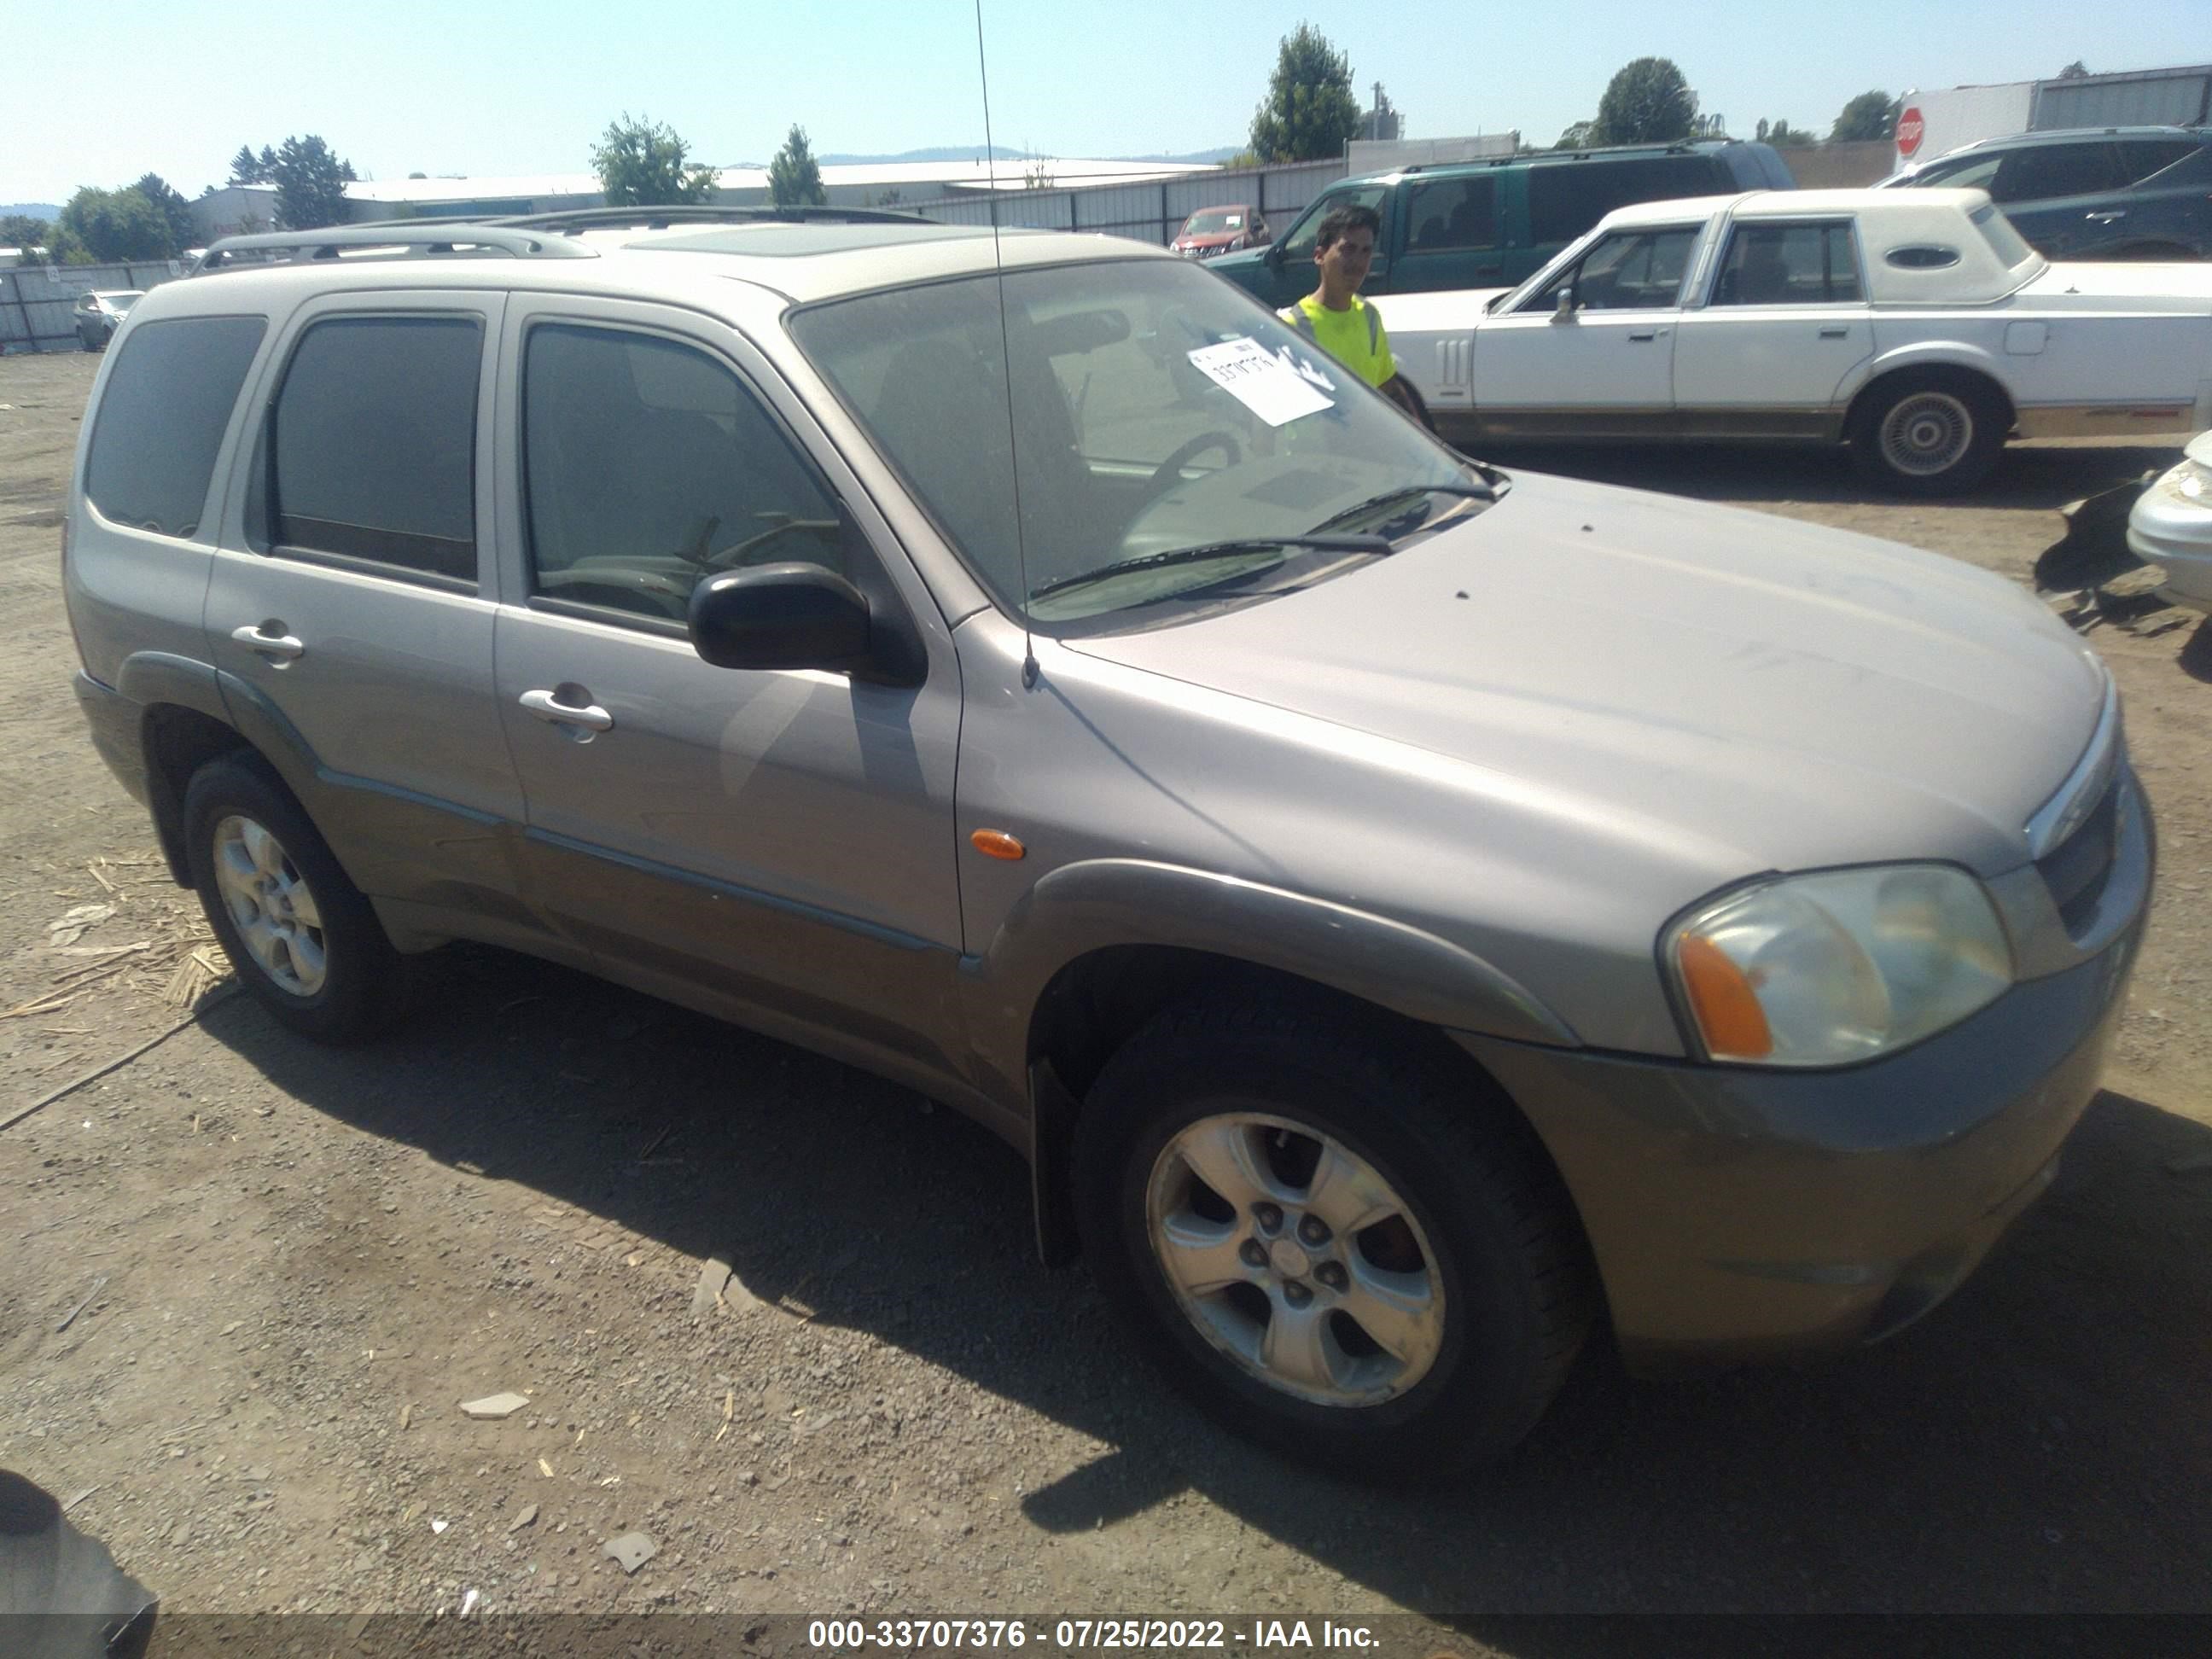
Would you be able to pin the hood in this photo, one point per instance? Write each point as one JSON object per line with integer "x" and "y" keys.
{"x": 1210, "y": 239}
{"x": 1760, "y": 692}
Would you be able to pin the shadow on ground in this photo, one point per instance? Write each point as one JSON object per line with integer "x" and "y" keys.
{"x": 2039, "y": 1444}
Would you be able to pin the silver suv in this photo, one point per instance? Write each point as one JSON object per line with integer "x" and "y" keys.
{"x": 1409, "y": 915}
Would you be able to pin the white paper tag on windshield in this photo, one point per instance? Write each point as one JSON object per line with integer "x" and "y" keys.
{"x": 1259, "y": 380}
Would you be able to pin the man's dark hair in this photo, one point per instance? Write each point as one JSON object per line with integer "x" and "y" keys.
{"x": 1340, "y": 221}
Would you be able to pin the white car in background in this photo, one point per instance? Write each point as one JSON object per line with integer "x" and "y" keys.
{"x": 1915, "y": 326}
{"x": 98, "y": 315}
{"x": 2171, "y": 525}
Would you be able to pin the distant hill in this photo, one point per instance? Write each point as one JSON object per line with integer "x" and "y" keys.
{"x": 34, "y": 210}
{"x": 1200, "y": 157}
{"x": 936, "y": 153}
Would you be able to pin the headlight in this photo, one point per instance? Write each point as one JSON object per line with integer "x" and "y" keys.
{"x": 1843, "y": 966}
{"x": 2192, "y": 481}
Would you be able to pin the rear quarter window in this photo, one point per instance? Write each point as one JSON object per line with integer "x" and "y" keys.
{"x": 162, "y": 417}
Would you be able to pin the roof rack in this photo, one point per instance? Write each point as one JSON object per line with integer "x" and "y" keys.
{"x": 664, "y": 217}
{"x": 417, "y": 238}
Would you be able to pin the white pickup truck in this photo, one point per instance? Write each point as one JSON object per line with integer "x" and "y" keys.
{"x": 1915, "y": 326}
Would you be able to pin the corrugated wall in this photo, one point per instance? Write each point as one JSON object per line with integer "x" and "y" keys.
{"x": 37, "y": 310}
{"x": 1150, "y": 212}
{"x": 2175, "y": 97}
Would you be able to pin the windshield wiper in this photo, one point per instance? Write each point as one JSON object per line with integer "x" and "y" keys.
{"x": 1479, "y": 492}
{"x": 1209, "y": 551}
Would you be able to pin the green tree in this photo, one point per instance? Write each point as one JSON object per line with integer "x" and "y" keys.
{"x": 176, "y": 212}
{"x": 1870, "y": 115}
{"x": 21, "y": 230}
{"x": 1309, "y": 113}
{"x": 108, "y": 226}
{"x": 2077, "y": 71}
{"x": 310, "y": 182}
{"x": 1782, "y": 134}
{"x": 642, "y": 163}
{"x": 793, "y": 177}
{"x": 247, "y": 168}
{"x": 1577, "y": 136}
{"x": 1646, "y": 102}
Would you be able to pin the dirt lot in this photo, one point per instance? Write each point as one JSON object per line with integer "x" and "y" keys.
{"x": 298, "y": 1262}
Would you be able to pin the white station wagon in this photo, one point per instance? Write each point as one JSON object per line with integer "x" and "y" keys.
{"x": 1915, "y": 326}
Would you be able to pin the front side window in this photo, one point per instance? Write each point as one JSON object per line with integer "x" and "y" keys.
{"x": 371, "y": 445}
{"x": 2054, "y": 170}
{"x": 161, "y": 419}
{"x": 649, "y": 466}
{"x": 1299, "y": 245}
{"x": 1789, "y": 265}
{"x": 1155, "y": 428}
{"x": 1452, "y": 213}
{"x": 1623, "y": 271}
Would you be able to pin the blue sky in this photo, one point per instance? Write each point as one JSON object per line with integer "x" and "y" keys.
{"x": 104, "y": 93}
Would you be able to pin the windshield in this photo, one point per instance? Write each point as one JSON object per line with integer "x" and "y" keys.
{"x": 1156, "y": 410}
{"x": 1214, "y": 221}
{"x": 123, "y": 301}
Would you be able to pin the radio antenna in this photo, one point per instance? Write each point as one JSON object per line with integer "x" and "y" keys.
{"x": 1007, "y": 360}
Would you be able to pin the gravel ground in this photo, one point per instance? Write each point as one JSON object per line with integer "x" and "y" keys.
{"x": 295, "y": 1264}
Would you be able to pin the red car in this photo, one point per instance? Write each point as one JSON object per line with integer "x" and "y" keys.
{"x": 1220, "y": 229}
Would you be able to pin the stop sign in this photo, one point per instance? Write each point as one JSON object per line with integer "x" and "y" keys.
{"x": 1909, "y": 130}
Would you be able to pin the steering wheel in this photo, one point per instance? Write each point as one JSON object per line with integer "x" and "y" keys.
{"x": 1169, "y": 473}
{"x": 748, "y": 551}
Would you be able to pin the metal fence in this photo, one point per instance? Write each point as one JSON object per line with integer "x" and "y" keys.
{"x": 1150, "y": 212}
{"x": 36, "y": 303}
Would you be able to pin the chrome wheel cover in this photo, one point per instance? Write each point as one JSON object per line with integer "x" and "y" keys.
{"x": 270, "y": 905}
{"x": 1294, "y": 1258}
{"x": 1927, "y": 433}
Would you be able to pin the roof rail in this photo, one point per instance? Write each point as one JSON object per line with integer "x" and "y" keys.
{"x": 416, "y": 237}
{"x": 691, "y": 213}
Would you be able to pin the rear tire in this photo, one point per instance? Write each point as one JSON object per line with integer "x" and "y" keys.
{"x": 1929, "y": 432}
{"x": 1423, "y": 1340}
{"x": 301, "y": 935}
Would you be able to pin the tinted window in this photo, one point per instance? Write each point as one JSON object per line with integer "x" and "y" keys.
{"x": 1972, "y": 173}
{"x": 1300, "y": 243}
{"x": 1788, "y": 265}
{"x": 2049, "y": 170}
{"x": 1566, "y": 199}
{"x": 373, "y": 443}
{"x": 648, "y": 465}
{"x": 161, "y": 419}
{"x": 1626, "y": 271}
{"x": 1452, "y": 213}
{"x": 2142, "y": 157}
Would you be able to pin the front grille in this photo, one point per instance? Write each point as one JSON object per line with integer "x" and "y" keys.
{"x": 2076, "y": 871}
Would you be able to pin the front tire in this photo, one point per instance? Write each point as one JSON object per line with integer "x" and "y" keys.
{"x": 1934, "y": 432}
{"x": 1348, "y": 1250}
{"x": 299, "y": 934}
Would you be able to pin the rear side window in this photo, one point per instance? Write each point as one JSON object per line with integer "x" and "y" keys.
{"x": 2139, "y": 158}
{"x": 1566, "y": 199}
{"x": 1789, "y": 265}
{"x": 372, "y": 444}
{"x": 161, "y": 420}
{"x": 2053, "y": 170}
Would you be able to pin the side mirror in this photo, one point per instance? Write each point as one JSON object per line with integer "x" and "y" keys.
{"x": 1565, "y": 312}
{"x": 1274, "y": 254}
{"x": 781, "y": 616}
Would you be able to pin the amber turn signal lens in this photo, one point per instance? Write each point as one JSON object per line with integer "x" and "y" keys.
{"x": 996, "y": 844}
{"x": 1729, "y": 1018}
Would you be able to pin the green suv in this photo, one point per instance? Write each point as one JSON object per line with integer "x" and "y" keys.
{"x": 1490, "y": 224}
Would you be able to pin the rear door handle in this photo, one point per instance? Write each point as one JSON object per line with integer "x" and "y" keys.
{"x": 2106, "y": 218}
{"x": 548, "y": 706}
{"x": 269, "y": 639}
{"x": 1642, "y": 334}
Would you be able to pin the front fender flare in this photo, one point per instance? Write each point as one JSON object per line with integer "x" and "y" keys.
{"x": 1082, "y": 908}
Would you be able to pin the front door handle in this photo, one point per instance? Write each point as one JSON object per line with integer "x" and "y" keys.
{"x": 1835, "y": 333}
{"x": 567, "y": 704}
{"x": 269, "y": 639}
{"x": 2106, "y": 218}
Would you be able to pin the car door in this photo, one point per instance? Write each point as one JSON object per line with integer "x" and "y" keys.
{"x": 2059, "y": 196}
{"x": 350, "y": 611}
{"x": 1601, "y": 363}
{"x": 774, "y": 848}
{"x": 1455, "y": 235}
{"x": 1785, "y": 320}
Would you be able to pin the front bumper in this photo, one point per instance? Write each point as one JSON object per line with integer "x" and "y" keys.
{"x": 2174, "y": 533}
{"x": 1736, "y": 1213}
